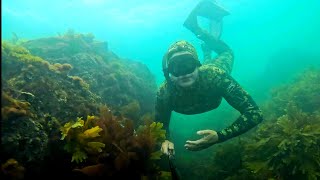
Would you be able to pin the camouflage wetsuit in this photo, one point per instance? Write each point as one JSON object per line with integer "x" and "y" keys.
{"x": 213, "y": 84}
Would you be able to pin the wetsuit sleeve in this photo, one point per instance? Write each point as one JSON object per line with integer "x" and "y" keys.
{"x": 163, "y": 111}
{"x": 239, "y": 99}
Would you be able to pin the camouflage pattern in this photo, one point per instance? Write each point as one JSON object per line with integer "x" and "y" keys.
{"x": 181, "y": 46}
{"x": 213, "y": 84}
{"x": 224, "y": 61}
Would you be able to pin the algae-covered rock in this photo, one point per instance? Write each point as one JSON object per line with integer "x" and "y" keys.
{"x": 49, "y": 87}
{"x": 50, "y": 81}
{"x": 117, "y": 81}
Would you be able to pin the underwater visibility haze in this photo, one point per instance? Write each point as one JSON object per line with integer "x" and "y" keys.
{"x": 80, "y": 80}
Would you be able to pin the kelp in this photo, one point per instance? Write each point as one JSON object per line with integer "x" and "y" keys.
{"x": 80, "y": 137}
{"x": 288, "y": 148}
{"x": 149, "y": 135}
{"x": 124, "y": 150}
{"x": 287, "y": 144}
{"x": 133, "y": 149}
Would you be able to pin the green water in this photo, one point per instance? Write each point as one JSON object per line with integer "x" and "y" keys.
{"x": 272, "y": 40}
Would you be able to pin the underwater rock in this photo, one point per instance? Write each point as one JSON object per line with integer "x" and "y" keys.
{"x": 12, "y": 169}
{"x": 24, "y": 139}
{"x": 44, "y": 93}
{"x": 117, "y": 81}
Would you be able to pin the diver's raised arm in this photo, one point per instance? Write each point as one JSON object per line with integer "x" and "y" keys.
{"x": 239, "y": 99}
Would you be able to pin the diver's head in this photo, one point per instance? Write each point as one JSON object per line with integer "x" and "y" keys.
{"x": 180, "y": 64}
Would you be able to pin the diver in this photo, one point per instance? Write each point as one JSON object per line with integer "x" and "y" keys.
{"x": 191, "y": 87}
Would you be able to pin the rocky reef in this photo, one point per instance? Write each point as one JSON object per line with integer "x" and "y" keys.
{"x": 120, "y": 82}
{"x": 50, "y": 85}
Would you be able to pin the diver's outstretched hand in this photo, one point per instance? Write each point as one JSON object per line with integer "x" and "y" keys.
{"x": 210, "y": 138}
{"x": 167, "y": 147}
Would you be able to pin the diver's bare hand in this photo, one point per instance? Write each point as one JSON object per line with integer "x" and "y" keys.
{"x": 210, "y": 138}
{"x": 166, "y": 147}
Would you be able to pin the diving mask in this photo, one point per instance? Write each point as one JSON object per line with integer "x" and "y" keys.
{"x": 182, "y": 63}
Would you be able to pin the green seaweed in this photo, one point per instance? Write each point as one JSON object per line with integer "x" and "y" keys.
{"x": 113, "y": 141}
{"x": 287, "y": 144}
{"x": 81, "y": 138}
